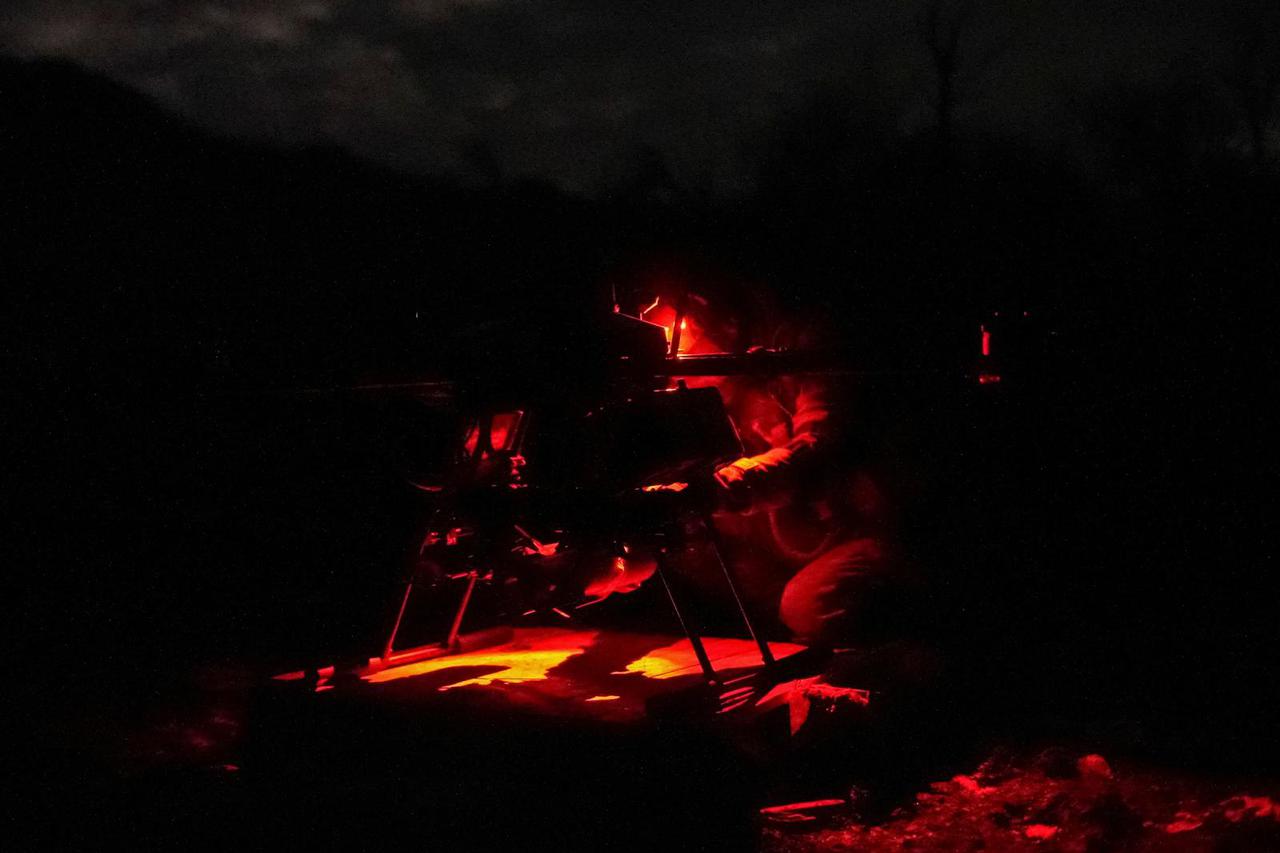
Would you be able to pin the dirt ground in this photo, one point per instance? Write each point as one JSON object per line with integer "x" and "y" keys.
{"x": 1055, "y": 800}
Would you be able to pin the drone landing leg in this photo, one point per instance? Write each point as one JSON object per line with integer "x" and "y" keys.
{"x": 395, "y": 629}
{"x": 695, "y": 639}
{"x": 451, "y": 641}
{"x": 766, "y": 654}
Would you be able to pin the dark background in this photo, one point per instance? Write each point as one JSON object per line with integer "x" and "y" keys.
{"x": 1103, "y": 525}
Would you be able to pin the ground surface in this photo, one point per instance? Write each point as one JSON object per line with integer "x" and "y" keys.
{"x": 551, "y": 735}
{"x": 1054, "y": 801}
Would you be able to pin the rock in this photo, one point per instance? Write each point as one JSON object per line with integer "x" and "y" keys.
{"x": 1040, "y": 831}
{"x": 1094, "y": 766}
{"x": 1056, "y": 764}
{"x": 1113, "y": 817}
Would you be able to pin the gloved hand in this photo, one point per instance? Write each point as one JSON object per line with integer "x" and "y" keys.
{"x": 752, "y": 479}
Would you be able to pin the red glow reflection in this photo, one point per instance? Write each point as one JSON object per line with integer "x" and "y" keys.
{"x": 530, "y": 658}
{"x": 678, "y": 658}
{"x": 581, "y": 666}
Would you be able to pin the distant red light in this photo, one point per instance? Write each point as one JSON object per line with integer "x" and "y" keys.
{"x": 988, "y": 378}
{"x": 986, "y": 341}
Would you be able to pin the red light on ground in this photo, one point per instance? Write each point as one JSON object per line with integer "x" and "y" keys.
{"x": 533, "y": 659}
{"x": 323, "y": 674}
{"x": 678, "y": 659}
{"x": 989, "y": 378}
{"x": 666, "y": 487}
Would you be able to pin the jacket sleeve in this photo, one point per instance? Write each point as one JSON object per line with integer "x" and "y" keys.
{"x": 770, "y": 478}
{"x": 811, "y": 421}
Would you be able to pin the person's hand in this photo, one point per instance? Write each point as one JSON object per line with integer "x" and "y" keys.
{"x": 735, "y": 491}
{"x": 743, "y": 480}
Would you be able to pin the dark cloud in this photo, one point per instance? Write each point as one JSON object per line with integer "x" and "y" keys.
{"x": 563, "y": 89}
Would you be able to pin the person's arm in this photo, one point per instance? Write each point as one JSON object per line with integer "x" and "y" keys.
{"x": 767, "y": 479}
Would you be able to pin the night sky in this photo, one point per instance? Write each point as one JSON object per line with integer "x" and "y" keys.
{"x": 571, "y": 91}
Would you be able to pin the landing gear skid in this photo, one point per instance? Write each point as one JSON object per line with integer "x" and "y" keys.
{"x": 454, "y": 642}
